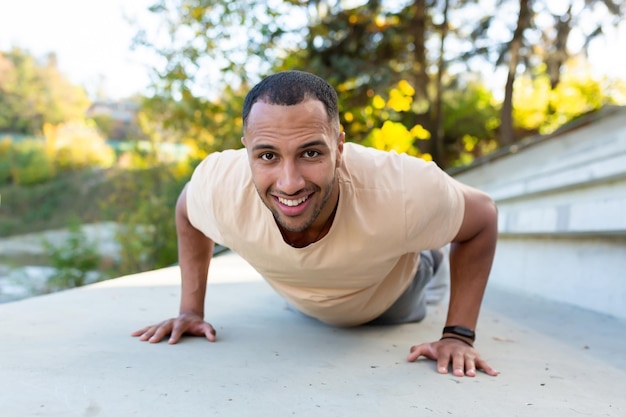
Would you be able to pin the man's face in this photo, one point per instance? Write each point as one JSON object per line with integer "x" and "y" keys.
{"x": 294, "y": 153}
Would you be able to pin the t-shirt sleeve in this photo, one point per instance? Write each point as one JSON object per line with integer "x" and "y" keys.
{"x": 434, "y": 206}
{"x": 200, "y": 203}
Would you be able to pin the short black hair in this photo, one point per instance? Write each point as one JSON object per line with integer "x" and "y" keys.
{"x": 289, "y": 88}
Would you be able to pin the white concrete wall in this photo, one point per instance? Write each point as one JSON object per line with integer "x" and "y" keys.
{"x": 562, "y": 215}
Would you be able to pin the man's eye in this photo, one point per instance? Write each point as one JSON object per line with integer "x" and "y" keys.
{"x": 267, "y": 156}
{"x": 311, "y": 154}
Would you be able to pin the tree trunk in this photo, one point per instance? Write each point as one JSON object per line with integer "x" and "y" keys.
{"x": 439, "y": 133}
{"x": 419, "y": 49}
{"x": 560, "y": 54}
{"x": 420, "y": 75}
{"x": 507, "y": 134}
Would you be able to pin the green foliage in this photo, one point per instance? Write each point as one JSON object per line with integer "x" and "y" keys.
{"x": 141, "y": 201}
{"x": 365, "y": 51}
{"x": 147, "y": 230}
{"x": 202, "y": 125}
{"x": 383, "y": 120}
{"x": 106, "y": 126}
{"x": 471, "y": 109}
{"x": 30, "y": 163}
{"x": 204, "y": 49}
{"x": 74, "y": 260}
{"x": 67, "y": 147}
{"x": 370, "y": 47}
{"x": 34, "y": 93}
{"x": 6, "y": 160}
{"x": 48, "y": 205}
{"x": 78, "y": 145}
{"x": 539, "y": 108}
{"x": 209, "y": 66}
{"x": 470, "y": 124}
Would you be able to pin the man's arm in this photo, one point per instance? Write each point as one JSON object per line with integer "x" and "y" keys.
{"x": 471, "y": 257}
{"x": 194, "y": 256}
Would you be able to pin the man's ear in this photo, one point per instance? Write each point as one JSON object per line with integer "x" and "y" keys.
{"x": 243, "y": 141}
{"x": 340, "y": 141}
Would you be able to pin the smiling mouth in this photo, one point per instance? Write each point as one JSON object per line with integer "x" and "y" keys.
{"x": 292, "y": 203}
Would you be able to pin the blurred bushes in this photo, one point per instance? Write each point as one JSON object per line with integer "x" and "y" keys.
{"x": 78, "y": 145}
{"x": 66, "y": 147}
{"x": 147, "y": 230}
{"x": 74, "y": 172}
{"x": 140, "y": 201}
{"x": 76, "y": 261}
{"x": 25, "y": 163}
{"x": 6, "y": 160}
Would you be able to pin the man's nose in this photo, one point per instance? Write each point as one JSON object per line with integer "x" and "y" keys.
{"x": 290, "y": 180}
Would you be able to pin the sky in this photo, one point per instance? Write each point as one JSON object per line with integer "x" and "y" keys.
{"x": 92, "y": 40}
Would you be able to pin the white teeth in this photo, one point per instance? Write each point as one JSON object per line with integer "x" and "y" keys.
{"x": 292, "y": 203}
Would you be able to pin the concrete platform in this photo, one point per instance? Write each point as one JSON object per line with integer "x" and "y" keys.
{"x": 70, "y": 354}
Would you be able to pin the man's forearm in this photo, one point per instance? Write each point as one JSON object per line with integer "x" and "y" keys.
{"x": 470, "y": 265}
{"x": 469, "y": 272}
{"x": 194, "y": 256}
{"x": 194, "y": 265}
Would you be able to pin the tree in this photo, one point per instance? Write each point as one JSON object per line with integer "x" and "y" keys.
{"x": 365, "y": 51}
{"x": 209, "y": 63}
{"x": 514, "y": 50}
{"x": 438, "y": 111}
{"x": 540, "y": 108}
{"x": 540, "y": 35}
{"x": 32, "y": 94}
{"x": 556, "y": 21}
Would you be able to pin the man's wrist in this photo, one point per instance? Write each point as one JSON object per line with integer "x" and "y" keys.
{"x": 462, "y": 331}
{"x": 460, "y": 339}
{"x": 190, "y": 312}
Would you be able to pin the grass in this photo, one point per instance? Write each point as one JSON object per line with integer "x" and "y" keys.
{"x": 141, "y": 200}
{"x": 85, "y": 195}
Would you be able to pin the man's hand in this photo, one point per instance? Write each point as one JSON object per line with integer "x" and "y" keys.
{"x": 464, "y": 359}
{"x": 189, "y": 324}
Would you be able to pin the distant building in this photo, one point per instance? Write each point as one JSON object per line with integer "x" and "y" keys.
{"x": 562, "y": 212}
{"x": 123, "y": 111}
{"x": 115, "y": 118}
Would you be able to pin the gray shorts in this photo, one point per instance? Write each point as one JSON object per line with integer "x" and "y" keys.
{"x": 411, "y": 306}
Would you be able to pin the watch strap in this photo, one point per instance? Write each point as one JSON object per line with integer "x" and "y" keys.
{"x": 460, "y": 331}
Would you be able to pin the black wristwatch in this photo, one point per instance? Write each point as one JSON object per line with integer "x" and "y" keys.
{"x": 460, "y": 331}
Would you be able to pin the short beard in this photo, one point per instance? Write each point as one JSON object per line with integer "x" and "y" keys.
{"x": 316, "y": 213}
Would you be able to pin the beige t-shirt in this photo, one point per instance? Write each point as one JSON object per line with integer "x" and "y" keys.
{"x": 390, "y": 208}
